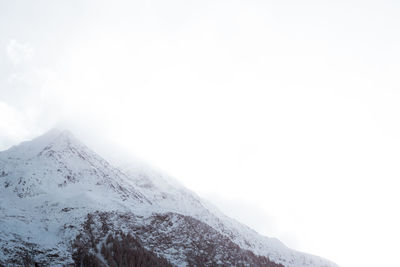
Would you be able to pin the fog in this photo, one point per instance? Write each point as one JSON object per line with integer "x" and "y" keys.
{"x": 284, "y": 114}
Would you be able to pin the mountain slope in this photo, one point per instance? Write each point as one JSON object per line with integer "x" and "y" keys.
{"x": 50, "y": 185}
{"x": 171, "y": 196}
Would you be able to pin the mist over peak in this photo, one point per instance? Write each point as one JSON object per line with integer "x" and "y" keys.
{"x": 283, "y": 113}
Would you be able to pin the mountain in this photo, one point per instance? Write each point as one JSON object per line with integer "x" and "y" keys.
{"x": 62, "y": 204}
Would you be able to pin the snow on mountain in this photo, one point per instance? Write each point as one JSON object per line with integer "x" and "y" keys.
{"x": 171, "y": 196}
{"x": 49, "y": 185}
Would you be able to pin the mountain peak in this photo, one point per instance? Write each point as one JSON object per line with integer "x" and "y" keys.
{"x": 56, "y": 135}
{"x": 57, "y": 162}
{"x": 55, "y": 138}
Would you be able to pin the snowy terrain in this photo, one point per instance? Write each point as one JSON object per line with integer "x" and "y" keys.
{"x": 49, "y": 185}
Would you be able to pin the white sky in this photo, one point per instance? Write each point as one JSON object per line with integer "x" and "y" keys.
{"x": 283, "y": 113}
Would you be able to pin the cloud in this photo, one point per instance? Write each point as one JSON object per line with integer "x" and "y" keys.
{"x": 27, "y": 103}
{"x": 12, "y": 127}
{"x": 18, "y": 52}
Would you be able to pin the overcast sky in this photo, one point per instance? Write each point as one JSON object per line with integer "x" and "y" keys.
{"x": 285, "y": 114}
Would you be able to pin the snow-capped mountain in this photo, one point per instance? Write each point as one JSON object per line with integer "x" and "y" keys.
{"x": 59, "y": 199}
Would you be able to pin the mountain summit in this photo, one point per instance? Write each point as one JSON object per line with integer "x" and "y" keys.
{"x": 62, "y": 204}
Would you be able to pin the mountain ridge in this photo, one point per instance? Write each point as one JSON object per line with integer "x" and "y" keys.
{"x": 56, "y": 172}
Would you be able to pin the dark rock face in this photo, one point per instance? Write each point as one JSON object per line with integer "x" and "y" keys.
{"x": 22, "y": 253}
{"x": 182, "y": 239}
{"x": 118, "y": 249}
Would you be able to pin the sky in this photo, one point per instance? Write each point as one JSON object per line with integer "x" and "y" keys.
{"x": 284, "y": 114}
